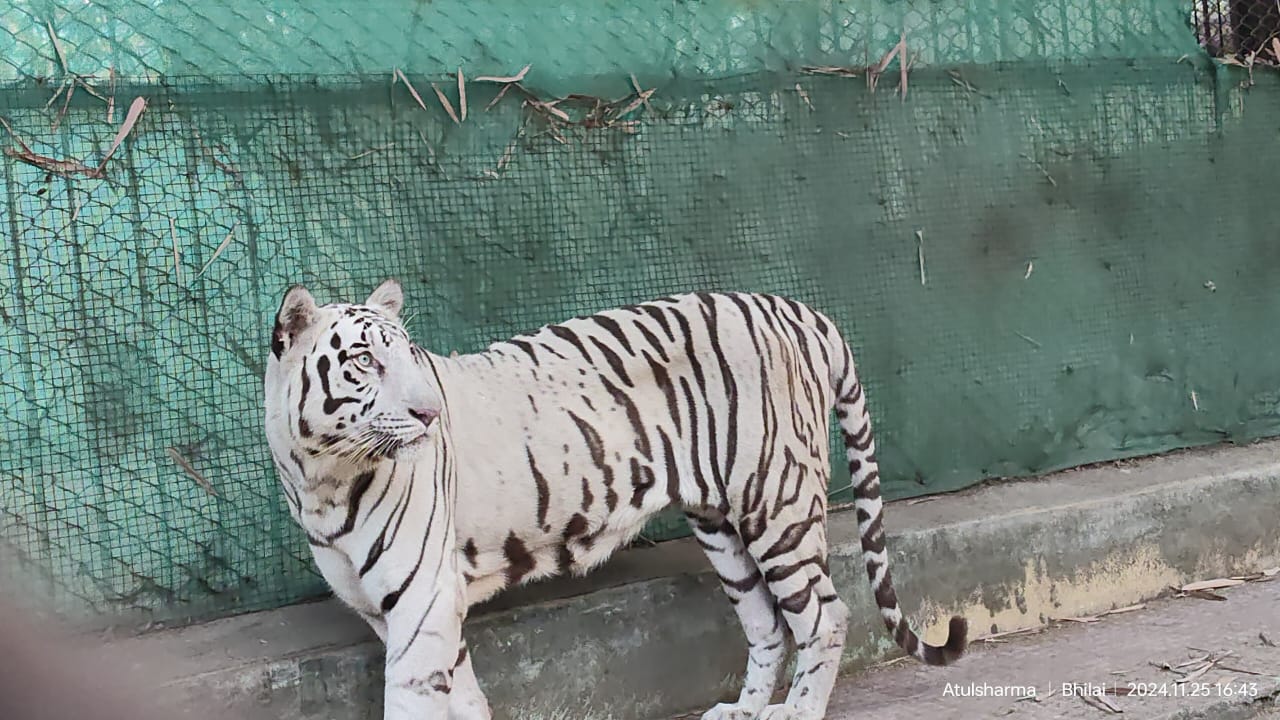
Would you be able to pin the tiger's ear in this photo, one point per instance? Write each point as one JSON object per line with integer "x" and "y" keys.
{"x": 297, "y": 312}
{"x": 389, "y": 297}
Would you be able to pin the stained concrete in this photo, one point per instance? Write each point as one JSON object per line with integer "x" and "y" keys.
{"x": 651, "y": 635}
{"x": 1043, "y": 675}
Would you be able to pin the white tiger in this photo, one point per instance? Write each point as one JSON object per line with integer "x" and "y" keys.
{"x": 563, "y": 443}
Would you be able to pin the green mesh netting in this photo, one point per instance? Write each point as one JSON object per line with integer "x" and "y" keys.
{"x": 1043, "y": 255}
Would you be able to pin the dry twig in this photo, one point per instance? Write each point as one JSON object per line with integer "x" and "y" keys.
{"x": 1040, "y": 167}
{"x": 1029, "y": 339}
{"x": 189, "y": 469}
{"x": 635, "y": 84}
{"x": 63, "y": 168}
{"x": 874, "y": 73}
{"x": 221, "y": 246}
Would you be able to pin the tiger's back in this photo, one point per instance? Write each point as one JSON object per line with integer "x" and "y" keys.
{"x": 606, "y": 419}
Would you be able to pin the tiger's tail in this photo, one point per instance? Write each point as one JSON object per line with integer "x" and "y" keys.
{"x": 855, "y": 427}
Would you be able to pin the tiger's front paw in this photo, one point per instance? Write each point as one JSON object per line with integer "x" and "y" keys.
{"x": 787, "y": 712}
{"x": 731, "y": 711}
{"x": 467, "y": 703}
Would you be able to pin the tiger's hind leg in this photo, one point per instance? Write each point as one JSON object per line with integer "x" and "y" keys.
{"x": 767, "y": 640}
{"x": 791, "y": 551}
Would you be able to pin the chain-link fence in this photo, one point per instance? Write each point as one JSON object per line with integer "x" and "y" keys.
{"x": 1247, "y": 31}
{"x": 1010, "y": 246}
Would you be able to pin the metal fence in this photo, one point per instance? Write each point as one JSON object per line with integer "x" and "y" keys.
{"x": 998, "y": 225}
{"x": 1247, "y": 31}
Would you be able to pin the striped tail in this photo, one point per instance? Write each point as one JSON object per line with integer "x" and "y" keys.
{"x": 855, "y": 426}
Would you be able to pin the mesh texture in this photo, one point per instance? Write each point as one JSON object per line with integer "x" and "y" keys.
{"x": 1009, "y": 249}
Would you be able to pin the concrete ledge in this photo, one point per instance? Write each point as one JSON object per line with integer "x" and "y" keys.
{"x": 651, "y": 634}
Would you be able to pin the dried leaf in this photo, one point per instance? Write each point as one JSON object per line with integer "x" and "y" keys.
{"x": 506, "y": 155}
{"x": 804, "y": 96}
{"x": 71, "y": 90}
{"x": 1098, "y": 702}
{"x": 221, "y": 246}
{"x": 889, "y": 56}
{"x": 57, "y": 47}
{"x": 462, "y": 95}
{"x": 635, "y": 84}
{"x": 1271, "y": 572}
{"x": 894, "y": 661}
{"x": 509, "y": 79}
{"x": 89, "y": 89}
{"x": 1265, "y": 640}
{"x": 903, "y": 66}
{"x": 1243, "y": 671}
{"x": 61, "y": 89}
{"x": 1129, "y": 608}
{"x": 1189, "y": 663}
{"x": 1010, "y": 633}
{"x": 641, "y": 99}
{"x": 830, "y": 70}
{"x": 498, "y": 97}
{"x": 1193, "y": 675}
{"x": 371, "y": 151}
{"x": 549, "y": 107}
{"x": 190, "y": 470}
{"x": 1206, "y": 595}
{"x": 1082, "y": 620}
{"x": 444, "y": 102}
{"x": 412, "y": 90}
{"x": 177, "y": 267}
{"x": 130, "y": 119}
{"x": 1252, "y": 577}
{"x": 111, "y": 102}
{"x": 920, "y": 254}
{"x": 1211, "y": 584}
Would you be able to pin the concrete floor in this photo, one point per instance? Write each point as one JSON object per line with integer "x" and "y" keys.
{"x": 1112, "y": 652}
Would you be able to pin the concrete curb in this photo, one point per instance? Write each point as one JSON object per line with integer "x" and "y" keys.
{"x": 1008, "y": 556}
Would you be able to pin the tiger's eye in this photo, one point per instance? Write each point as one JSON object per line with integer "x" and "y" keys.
{"x": 364, "y": 360}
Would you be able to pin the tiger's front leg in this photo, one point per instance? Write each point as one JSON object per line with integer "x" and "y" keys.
{"x": 467, "y": 702}
{"x": 425, "y": 647}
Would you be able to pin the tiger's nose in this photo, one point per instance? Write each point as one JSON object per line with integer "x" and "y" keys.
{"x": 423, "y": 416}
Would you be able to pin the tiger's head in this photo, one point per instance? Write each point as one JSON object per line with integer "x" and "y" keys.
{"x": 345, "y": 382}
